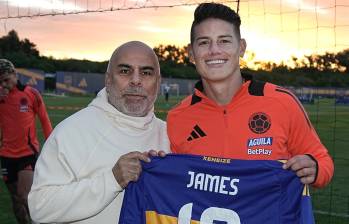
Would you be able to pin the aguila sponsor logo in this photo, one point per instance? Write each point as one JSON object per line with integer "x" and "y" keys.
{"x": 259, "y": 141}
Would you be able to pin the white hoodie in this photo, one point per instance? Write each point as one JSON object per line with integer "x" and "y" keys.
{"x": 73, "y": 179}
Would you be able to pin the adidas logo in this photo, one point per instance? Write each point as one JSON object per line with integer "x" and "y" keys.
{"x": 196, "y": 133}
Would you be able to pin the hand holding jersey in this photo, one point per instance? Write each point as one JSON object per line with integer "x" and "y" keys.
{"x": 304, "y": 166}
{"x": 153, "y": 152}
{"x": 128, "y": 168}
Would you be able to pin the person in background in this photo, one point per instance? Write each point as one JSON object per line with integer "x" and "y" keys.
{"x": 19, "y": 145}
{"x": 167, "y": 92}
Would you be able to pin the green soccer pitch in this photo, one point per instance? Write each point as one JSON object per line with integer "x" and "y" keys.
{"x": 331, "y": 205}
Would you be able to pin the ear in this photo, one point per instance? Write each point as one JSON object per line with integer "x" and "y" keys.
{"x": 242, "y": 47}
{"x": 107, "y": 81}
{"x": 191, "y": 54}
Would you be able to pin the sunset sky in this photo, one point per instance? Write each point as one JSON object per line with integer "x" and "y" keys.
{"x": 274, "y": 29}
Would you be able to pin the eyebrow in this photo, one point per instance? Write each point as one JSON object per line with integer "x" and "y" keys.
{"x": 147, "y": 68}
{"x": 141, "y": 68}
{"x": 124, "y": 65}
{"x": 200, "y": 38}
{"x": 224, "y": 36}
{"x": 221, "y": 36}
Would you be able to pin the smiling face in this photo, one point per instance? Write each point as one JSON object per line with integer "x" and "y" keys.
{"x": 216, "y": 50}
{"x": 133, "y": 79}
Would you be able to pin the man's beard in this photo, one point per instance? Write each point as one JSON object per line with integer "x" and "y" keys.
{"x": 132, "y": 101}
{"x": 136, "y": 108}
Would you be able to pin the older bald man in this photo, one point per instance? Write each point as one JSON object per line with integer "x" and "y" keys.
{"x": 91, "y": 156}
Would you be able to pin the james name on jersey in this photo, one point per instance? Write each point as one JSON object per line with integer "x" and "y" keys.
{"x": 217, "y": 184}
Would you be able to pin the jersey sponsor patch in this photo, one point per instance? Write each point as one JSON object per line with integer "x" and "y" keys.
{"x": 216, "y": 159}
{"x": 23, "y": 105}
{"x": 266, "y": 152}
{"x": 259, "y": 141}
{"x": 255, "y": 146}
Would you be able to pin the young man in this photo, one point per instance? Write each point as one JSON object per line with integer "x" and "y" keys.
{"x": 229, "y": 116}
{"x": 92, "y": 155}
{"x": 19, "y": 146}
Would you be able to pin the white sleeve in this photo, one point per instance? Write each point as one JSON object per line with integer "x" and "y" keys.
{"x": 57, "y": 195}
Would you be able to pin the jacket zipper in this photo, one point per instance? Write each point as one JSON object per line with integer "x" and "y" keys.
{"x": 226, "y": 139}
{"x": 225, "y": 118}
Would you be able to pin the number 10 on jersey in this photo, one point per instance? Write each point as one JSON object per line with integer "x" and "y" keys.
{"x": 208, "y": 215}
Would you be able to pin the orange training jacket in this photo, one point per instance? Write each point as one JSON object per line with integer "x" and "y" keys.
{"x": 262, "y": 121}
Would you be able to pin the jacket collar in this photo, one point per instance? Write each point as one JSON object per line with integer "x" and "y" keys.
{"x": 20, "y": 86}
{"x": 199, "y": 95}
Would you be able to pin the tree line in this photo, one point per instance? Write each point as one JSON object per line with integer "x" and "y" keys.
{"x": 24, "y": 54}
{"x": 329, "y": 69}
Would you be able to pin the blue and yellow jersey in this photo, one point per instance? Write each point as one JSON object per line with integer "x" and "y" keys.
{"x": 188, "y": 189}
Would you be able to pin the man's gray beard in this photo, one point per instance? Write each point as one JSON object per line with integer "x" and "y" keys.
{"x": 135, "y": 109}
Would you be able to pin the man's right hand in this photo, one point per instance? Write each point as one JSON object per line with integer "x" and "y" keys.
{"x": 128, "y": 167}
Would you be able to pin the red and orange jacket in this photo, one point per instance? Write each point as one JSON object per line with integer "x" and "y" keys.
{"x": 17, "y": 122}
{"x": 262, "y": 122}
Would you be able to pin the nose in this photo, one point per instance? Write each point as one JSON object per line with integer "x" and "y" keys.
{"x": 136, "y": 79}
{"x": 214, "y": 48}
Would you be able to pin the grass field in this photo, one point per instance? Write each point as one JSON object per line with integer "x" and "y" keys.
{"x": 331, "y": 204}
{"x": 332, "y": 125}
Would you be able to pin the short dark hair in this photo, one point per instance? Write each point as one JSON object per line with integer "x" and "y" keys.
{"x": 217, "y": 11}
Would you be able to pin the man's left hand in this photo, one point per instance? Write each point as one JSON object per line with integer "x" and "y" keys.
{"x": 304, "y": 166}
